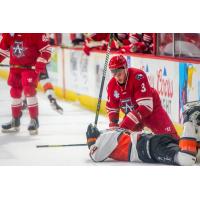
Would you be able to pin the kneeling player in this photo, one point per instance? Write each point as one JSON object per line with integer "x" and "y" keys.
{"x": 125, "y": 145}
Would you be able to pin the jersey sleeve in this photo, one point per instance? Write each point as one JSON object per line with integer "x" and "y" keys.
{"x": 104, "y": 146}
{"x": 44, "y": 48}
{"x": 112, "y": 104}
{"x": 4, "y": 47}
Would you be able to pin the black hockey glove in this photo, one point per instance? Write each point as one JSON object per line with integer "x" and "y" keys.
{"x": 192, "y": 113}
{"x": 92, "y": 134}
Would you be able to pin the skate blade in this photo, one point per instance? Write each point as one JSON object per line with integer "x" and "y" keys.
{"x": 33, "y": 132}
{"x": 13, "y": 130}
{"x": 60, "y": 111}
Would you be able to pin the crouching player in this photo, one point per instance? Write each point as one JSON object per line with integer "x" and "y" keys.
{"x": 125, "y": 145}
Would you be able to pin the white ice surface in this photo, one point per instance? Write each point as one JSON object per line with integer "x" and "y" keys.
{"x": 69, "y": 128}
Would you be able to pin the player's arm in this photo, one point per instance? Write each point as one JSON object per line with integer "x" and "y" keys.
{"x": 101, "y": 145}
{"x": 144, "y": 99}
{"x": 112, "y": 107}
{"x": 44, "y": 49}
{"x": 4, "y": 47}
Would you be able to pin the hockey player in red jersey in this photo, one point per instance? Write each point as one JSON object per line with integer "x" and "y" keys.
{"x": 29, "y": 53}
{"x": 124, "y": 145}
{"x": 130, "y": 92}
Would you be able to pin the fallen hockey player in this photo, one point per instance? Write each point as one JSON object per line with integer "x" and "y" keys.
{"x": 125, "y": 145}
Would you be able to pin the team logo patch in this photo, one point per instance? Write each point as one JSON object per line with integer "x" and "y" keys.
{"x": 18, "y": 49}
{"x": 139, "y": 76}
{"x": 116, "y": 94}
{"x": 126, "y": 105}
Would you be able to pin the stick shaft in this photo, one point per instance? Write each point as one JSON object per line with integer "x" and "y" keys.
{"x": 102, "y": 81}
{"x": 60, "y": 145}
{"x": 4, "y": 65}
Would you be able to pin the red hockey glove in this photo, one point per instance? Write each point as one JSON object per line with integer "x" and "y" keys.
{"x": 40, "y": 67}
{"x": 130, "y": 121}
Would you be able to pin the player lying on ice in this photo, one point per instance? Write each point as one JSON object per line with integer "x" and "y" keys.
{"x": 125, "y": 145}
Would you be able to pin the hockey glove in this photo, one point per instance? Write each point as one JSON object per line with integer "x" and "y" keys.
{"x": 40, "y": 67}
{"x": 92, "y": 134}
{"x": 192, "y": 113}
{"x": 130, "y": 121}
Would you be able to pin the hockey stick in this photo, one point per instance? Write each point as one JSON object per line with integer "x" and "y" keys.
{"x": 103, "y": 80}
{"x": 4, "y": 65}
{"x": 61, "y": 145}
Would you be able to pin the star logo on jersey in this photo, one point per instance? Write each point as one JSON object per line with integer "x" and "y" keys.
{"x": 126, "y": 105}
{"x": 18, "y": 49}
{"x": 116, "y": 94}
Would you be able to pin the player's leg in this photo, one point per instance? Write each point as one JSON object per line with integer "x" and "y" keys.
{"x": 165, "y": 149}
{"x": 188, "y": 142}
{"x": 49, "y": 92}
{"x": 14, "y": 80}
{"x": 29, "y": 83}
{"x": 160, "y": 123}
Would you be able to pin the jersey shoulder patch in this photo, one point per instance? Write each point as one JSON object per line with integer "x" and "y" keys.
{"x": 139, "y": 76}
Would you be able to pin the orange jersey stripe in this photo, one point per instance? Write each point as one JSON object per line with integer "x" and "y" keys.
{"x": 122, "y": 151}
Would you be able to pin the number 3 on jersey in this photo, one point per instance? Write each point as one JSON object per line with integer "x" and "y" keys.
{"x": 143, "y": 88}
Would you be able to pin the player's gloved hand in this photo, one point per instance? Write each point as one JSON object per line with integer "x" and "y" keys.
{"x": 130, "y": 121}
{"x": 92, "y": 134}
{"x": 127, "y": 124}
{"x": 40, "y": 67}
{"x": 192, "y": 112}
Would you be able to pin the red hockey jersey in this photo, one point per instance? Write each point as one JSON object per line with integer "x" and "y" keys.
{"x": 139, "y": 101}
{"x": 25, "y": 49}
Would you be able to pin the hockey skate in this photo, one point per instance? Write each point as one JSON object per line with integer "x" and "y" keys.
{"x": 55, "y": 105}
{"x": 12, "y": 126}
{"x": 33, "y": 127}
{"x": 192, "y": 112}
